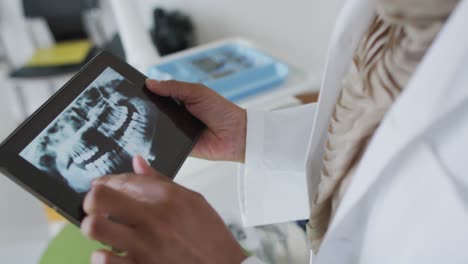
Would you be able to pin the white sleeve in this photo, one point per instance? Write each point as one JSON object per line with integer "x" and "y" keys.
{"x": 255, "y": 260}
{"x": 252, "y": 260}
{"x": 272, "y": 182}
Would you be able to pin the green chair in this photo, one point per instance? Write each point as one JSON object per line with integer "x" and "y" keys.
{"x": 70, "y": 247}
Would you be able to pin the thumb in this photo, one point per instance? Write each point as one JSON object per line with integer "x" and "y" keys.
{"x": 156, "y": 87}
{"x": 186, "y": 92}
{"x": 141, "y": 166}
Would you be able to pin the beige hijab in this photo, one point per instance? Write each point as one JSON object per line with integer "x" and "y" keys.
{"x": 386, "y": 57}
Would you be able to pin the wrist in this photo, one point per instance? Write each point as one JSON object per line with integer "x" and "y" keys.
{"x": 242, "y": 135}
{"x": 239, "y": 255}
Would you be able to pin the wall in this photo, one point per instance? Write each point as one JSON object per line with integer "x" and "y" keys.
{"x": 297, "y": 30}
{"x": 14, "y": 32}
{"x": 7, "y": 123}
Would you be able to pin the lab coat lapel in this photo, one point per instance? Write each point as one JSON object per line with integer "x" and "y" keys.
{"x": 353, "y": 21}
{"x": 429, "y": 96}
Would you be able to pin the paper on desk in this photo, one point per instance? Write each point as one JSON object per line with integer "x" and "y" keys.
{"x": 63, "y": 53}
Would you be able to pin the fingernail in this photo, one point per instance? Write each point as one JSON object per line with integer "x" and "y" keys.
{"x": 152, "y": 82}
{"x": 95, "y": 182}
{"x": 140, "y": 165}
{"x": 85, "y": 226}
{"x": 98, "y": 257}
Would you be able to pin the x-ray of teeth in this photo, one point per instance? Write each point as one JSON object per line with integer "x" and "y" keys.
{"x": 97, "y": 134}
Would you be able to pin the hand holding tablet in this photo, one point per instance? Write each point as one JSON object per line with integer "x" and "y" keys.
{"x": 94, "y": 126}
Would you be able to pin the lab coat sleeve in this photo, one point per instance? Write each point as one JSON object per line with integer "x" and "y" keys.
{"x": 272, "y": 182}
{"x": 252, "y": 260}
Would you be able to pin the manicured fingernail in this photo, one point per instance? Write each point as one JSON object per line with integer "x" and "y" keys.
{"x": 140, "y": 165}
{"x": 95, "y": 182}
{"x": 152, "y": 82}
{"x": 85, "y": 226}
{"x": 98, "y": 257}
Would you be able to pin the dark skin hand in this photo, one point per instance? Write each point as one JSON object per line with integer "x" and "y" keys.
{"x": 160, "y": 221}
{"x": 224, "y": 138}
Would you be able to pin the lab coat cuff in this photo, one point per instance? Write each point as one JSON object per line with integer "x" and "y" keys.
{"x": 269, "y": 193}
{"x": 252, "y": 260}
{"x": 253, "y": 154}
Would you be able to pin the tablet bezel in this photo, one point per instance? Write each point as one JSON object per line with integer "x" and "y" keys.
{"x": 56, "y": 193}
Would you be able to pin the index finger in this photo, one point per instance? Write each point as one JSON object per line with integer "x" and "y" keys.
{"x": 140, "y": 187}
{"x": 140, "y": 166}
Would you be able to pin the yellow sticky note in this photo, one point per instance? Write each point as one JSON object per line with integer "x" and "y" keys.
{"x": 62, "y": 53}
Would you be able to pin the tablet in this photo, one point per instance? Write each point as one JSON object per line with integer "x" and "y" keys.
{"x": 93, "y": 126}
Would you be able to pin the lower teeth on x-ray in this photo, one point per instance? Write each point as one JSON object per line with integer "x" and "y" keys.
{"x": 97, "y": 134}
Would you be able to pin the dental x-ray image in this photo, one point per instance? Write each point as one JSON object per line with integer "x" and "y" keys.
{"x": 97, "y": 134}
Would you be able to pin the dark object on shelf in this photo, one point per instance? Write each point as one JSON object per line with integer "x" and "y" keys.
{"x": 115, "y": 47}
{"x": 173, "y": 31}
{"x": 65, "y": 18}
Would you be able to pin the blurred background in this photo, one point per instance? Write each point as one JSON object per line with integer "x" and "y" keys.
{"x": 43, "y": 43}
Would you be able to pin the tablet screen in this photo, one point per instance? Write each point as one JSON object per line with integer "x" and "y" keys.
{"x": 94, "y": 126}
{"x": 99, "y": 133}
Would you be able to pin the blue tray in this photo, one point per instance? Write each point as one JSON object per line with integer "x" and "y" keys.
{"x": 234, "y": 70}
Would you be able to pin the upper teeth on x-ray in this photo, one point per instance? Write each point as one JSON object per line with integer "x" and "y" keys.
{"x": 97, "y": 134}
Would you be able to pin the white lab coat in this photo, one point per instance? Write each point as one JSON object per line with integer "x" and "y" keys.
{"x": 408, "y": 199}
